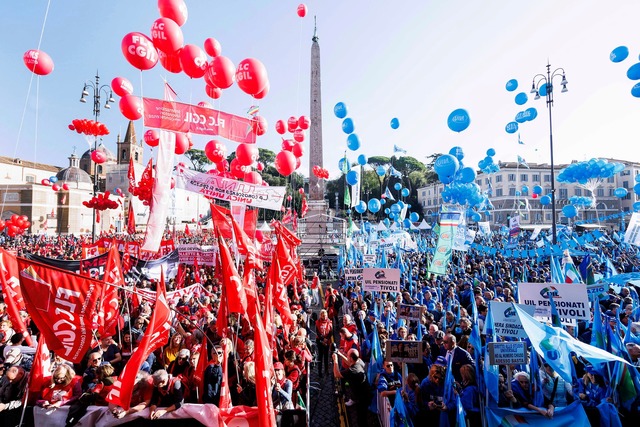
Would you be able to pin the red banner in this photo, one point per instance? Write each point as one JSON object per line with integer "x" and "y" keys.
{"x": 156, "y": 335}
{"x": 178, "y": 117}
{"x": 11, "y": 292}
{"x": 62, "y": 305}
{"x": 109, "y": 315}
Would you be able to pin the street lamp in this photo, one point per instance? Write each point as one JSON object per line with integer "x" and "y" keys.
{"x": 543, "y": 85}
{"x": 97, "y": 89}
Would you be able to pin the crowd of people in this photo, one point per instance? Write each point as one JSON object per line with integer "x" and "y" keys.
{"x": 337, "y": 330}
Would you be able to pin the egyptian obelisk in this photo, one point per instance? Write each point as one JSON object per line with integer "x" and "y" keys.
{"x": 316, "y": 186}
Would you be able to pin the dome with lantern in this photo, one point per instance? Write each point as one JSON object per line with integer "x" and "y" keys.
{"x": 75, "y": 177}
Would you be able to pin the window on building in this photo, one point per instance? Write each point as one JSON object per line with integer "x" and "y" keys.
{"x": 498, "y": 178}
{"x": 525, "y": 217}
{"x": 512, "y": 177}
{"x": 547, "y": 217}
{"x": 121, "y": 179}
{"x": 30, "y": 178}
{"x": 124, "y": 155}
{"x": 535, "y": 178}
{"x": 563, "y": 193}
{"x": 577, "y": 192}
{"x": 610, "y": 180}
{"x": 512, "y": 191}
{"x": 524, "y": 177}
{"x": 135, "y": 156}
{"x": 499, "y": 192}
{"x": 625, "y": 184}
{"x": 99, "y": 169}
{"x": 625, "y": 173}
{"x": 110, "y": 179}
{"x": 538, "y": 217}
{"x": 547, "y": 178}
{"x": 600, "y": 192}
{"x": 611, "y": 190}
{"x": 424, "y": 193}
{"x": 479, "y": 181}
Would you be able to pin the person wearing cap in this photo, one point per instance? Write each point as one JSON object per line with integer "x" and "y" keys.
{"x": 282, "y": 389}
{"x": 181, "y": 366}
{"x": 324, "y": 333}
{"x": 213, "y": 377}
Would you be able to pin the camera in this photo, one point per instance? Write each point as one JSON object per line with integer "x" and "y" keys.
{"x": 334, "y": 348}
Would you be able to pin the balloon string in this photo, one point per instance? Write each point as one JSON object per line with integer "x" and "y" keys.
{"x": 299, "y": 67}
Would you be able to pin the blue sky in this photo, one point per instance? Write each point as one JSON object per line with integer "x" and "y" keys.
{"x": 414, "y": 60}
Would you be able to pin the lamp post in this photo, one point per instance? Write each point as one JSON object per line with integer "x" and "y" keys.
{"x": 97, "y": 90}
{"x": 543, "y": 84}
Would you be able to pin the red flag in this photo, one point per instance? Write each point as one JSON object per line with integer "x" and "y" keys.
{"x": 288, "y": 269}
{"x": 12, "y": 294}
{"x": 286, "y": 234}
{"x": 236, "y": 298}
{"x": 131, "y": 219}
{"x": 156, "y": 335}
{"x": 40, "y": 374}
{"x": 131, "y": 174}
{"x": 305, "y": 208}
{"x": 187, "y": 232}
{"x": 220, "y": 218}
{"x": 222, "y": 320}
{"x": 225, "y": 394}
{"x": 180, "y": 276}
{"x": 241, "y": 415}
{"x": 264, "y": 370}
{"x": 196, "y": 270}
{"x": 246, "y": 246}
{"x": 281, "y": 301}
{"x": 109, "y": 315}
{"x": 62, "y": 305}
{"x": 294, "y": 221}
{"x": 287, "y": 217}
{"x": 198, "y": 374}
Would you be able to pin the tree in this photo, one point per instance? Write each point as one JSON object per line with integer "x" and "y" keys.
{"x": 198, "y": 159}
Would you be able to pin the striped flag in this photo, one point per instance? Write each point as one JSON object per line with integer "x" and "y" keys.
{"x": 571, "y": 274}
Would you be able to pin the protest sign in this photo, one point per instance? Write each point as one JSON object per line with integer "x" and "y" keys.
{"x": 506, "y": 322}
{"x": 409, "y": 312}
{"x": 381, "y": 279}
{"x": 571, "y": 300}
{"x": 404, "y": 351}
{"x": 507, "y": 353}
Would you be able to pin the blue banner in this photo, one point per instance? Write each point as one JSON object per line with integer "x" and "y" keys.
{"x": 571, "y": 416}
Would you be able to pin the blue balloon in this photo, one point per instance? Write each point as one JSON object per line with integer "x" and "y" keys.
{"x": 383, "y": 201}
{"x": 521, "y": 98}
{"x": 570, "y": 211}
{"x": 395, "y": 123}
{"x": 457, "y": 153}
{"x": 525, "y": 189}
{"x": 531, "y": 113}
{"x": 542, "y": 90}
{"x": 518, "y": 193}
{"x": 361, "y": 207}
{"x": 637, "y": 178}
{"x": 636, "y": 189}
{"x": 340, "y": 110}
{"x": 636, "y": 207}
{"x": 395, "y": 208}
{"x": 633, "y": 73}
{"x": 545, "y": 200}
{"x": 380, "y": 170}
{"x": 635, "y": 90}
{"x": 620, "y": 192}
{"x": 406, "y": 223}
{"x": 352, "y": 177}
{"x": 520, "y": 117}
{"x": 374, "y": 205}
{"x": 475, "y": 217}
{"x": 393, "y": 216}
{"x": 491, "y": 152}
{"x": 467, "y": 175}
{"x": 512, "y": 85}
{"x": 353, "y": 142}
{"x": 347, "y": 125}
{"x": 537, "y": 189}
{"x": 619, "y": 54}
{"x": 397, "y": 186}
{"x": 343, "y": 164}
{"x": 446, "y": 165}
{"x": 414, "y": 217}
{"x": 458, "y": 120}
{"x": 511, "y": 127}
{"x": 53, "y": 179}
{"x": 386, "y": 222}
{"x": 405, "y": 192}
{"x": 387, "y": 211}
{"x": 362, "y": 160}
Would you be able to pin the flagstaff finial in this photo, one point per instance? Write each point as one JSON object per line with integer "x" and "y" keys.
{"x": 315, "y": 30}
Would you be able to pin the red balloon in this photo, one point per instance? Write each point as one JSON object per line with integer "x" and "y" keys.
{"x": 205, "y": 104}
{"x": 139, "y": 51}
{"x": 212, "y": 47}
{"x": 292, "y": 124}
{"x": 55, "y": 187}
{"x": 260, "y": 167}
{"x": 260, "y": 125}
{"x": 215, "y": 151}
{"x": 166, "y": 35}
{"x": 38, "y": 62}
{"x": 285, "y": 163}
{"x": 152, "y": 138}
{"x": 287, "y": 145}
{"x": 251, "y": 76}
{"x": 220, "y": 72}
{"x": 298, "y": 135}
{"x": 170, "y": 61}
{"x": 182, "y": 143}
{"x": 298, "y": 150}
{"x": 303, "y": 122}
{"x": 121, "y": 86}
{"x": 264, "y": 92}
{"x": 131, "y": 107}
{"x": 174, "y": 9}
{"x": 302, "y": 10}
{"x": 236, "y": 169}
{"x": 247, "y": 154}
{"x": 298, "y": 163}
{"x": 193, "y": 61}
{"x": 98, "y": 156}
{"x": 222, "y": 166}
{"x": 281, "y": 127}
{"x": 213, "y": 92}
{"x": 65, "y": 186}
{"x": 2, "y": 224}
{"x": 72, "y": 127}
{"x": 534, "y": 195}
{"x": 45, "y": 182}
{"x": 301, "y": 190}
{"x": 253, "y": 177}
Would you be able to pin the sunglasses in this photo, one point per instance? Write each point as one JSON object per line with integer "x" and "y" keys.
{"x": 96, "y": 360}
{"x": 389, "y": 365}
{"x": 183, "y": 358}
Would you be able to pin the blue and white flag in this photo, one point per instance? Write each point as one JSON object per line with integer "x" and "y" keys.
{"x": 397, "y": 149}
{"x": 570, "y": 416}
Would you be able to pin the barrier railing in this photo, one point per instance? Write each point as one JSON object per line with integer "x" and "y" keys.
{"x": 384, "y": 410}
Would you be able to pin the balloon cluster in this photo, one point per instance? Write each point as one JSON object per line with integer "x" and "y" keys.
{"x": 166, "y": 45}
{"x": 487, "y": 165}
{"x": 520, "y": 99}
{"x": 15, "y": 225}
{"x": 353, "y": 141}
{"x": 52, "y": 181}
{"x": 460, "y": 180}
{"x": 289, "y": 157}
{"x": 621, "y": 53}
{"x": 101, "y": 202}
{"x": 144, "y": 190}
{"x": 583, "y": 201}
{"x": 594, "y": 169}
{"x": 320, "y": 173}
{"x": 636, "y": 187}
{"x": 89, "y": 127}
{"x": 38, "y": 62}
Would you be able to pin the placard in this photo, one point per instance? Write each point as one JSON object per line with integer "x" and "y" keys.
{"x": 353, "y": 274}
{"x": 369, "y": 259}
{"x": 381, "y": 279}
{"x": 506, "y": 322}
{"x": 409, "y": 312}
{"x": 571, "y": 299}
{"x": 507, "y": 353}
{"x": 403, "y": 351}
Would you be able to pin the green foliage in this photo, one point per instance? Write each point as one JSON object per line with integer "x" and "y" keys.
{"x": 198, "y": 159}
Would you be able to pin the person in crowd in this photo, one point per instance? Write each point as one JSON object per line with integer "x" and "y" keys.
{"x": 470, "y": 395}
{"x": 213, "y": 377}
{"x": 64, "y": 389}
{"x": 171, "y": 350}
{"x": 355, "y": 376}
{"x": 324, "y": 338}
{"x": 432, "y": 394}
{"x": 458, "y": 356}
{"x": 282, "y": 390}
{"x": 247, "y": 391}
{"x": 555, "y": 389}
{"x": 411, "y": 395}
{"x": 520, "y": 395}
{"x": 13, "y": 386}
{"x": 110, "y": 352}
{"x": 167, "y": 396}
{"x": 140, "y": 396}
{"x": 389, "y": 381}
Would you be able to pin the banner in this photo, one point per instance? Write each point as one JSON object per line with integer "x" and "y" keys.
{"x": 173, "y": 296}
{"x": 448, "y": 226}
{"x": 484, "y": 228}
{"x": 632, "y": 235}
{"x": 355, "y": 189}
{"x": 62, "y": 305}
{"x": 506, "y": 321}
{"x": 352, "y": 274}
{"x": 381, "y": 279}
{"x": 230, "y": 190}
{"x": 188, "y": 253}
{"x": 570, "y": 299}
{"x": 179, "y": 117}
{"x": 570, "y": 416}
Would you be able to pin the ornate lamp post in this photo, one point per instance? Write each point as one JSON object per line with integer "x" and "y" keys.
{"x": 97, "y": 90}
{"x": 543, "y": 85}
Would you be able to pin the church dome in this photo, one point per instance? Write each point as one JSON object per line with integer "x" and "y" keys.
{"x": 75, "y": 178}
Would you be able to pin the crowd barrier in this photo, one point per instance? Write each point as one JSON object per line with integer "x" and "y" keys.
{"x": 384, "y": 410}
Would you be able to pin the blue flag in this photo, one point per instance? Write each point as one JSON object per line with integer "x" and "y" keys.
{"x": 399, "y": 414}
{"x": 570, "y": 416}
{"x": 490, "y": 371}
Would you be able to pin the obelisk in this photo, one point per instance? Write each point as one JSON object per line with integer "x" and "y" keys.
{"x": 316, "y": 186}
